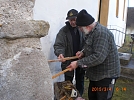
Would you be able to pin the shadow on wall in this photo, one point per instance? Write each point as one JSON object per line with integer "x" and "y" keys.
{"x": 47, "y": 48}
{"x": 130, "y": 29}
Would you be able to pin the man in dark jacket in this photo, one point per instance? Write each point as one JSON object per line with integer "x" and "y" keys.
{"x": 68, "y": 41}
{"x": 100, "y": 57}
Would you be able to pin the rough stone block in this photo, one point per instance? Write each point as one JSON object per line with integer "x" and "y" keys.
{"x": 124, "y": 58}
{"x": 9, "y": 48}
{"x": 13, "y": 10}
{"x": 24, "y": 29}
{"x": 26, "y": 76}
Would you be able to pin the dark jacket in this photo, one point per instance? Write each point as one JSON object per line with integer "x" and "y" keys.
{"x": 64, "y": 45}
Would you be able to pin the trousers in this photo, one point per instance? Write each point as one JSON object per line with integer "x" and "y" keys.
{"x": 101, "y": 90}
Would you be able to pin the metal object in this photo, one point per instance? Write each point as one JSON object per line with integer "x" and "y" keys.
{"x": 82, "y": 50}
{"x": 74, "y": 93}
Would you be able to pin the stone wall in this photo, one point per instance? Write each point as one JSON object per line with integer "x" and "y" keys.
{"x": 24, "y": 71}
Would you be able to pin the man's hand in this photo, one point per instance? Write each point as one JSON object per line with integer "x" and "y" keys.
{"x": 73, "y": 65}
{"x": 61, "y": 57}
{"x": 79, "y": 54}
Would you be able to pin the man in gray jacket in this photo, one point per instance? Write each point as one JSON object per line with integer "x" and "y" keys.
{"x": 100, "y": 58}
{"x": 68, "y": 42}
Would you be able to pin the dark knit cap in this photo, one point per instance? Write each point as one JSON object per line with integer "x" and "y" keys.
{"x": 84, "y": 18}
{"x": 72, "y": 14}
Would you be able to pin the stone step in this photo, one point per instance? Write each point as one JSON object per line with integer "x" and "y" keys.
{"x": 124, "y": 58}
{"x": 127, "y": 72}
{"x": 127, "y": 77}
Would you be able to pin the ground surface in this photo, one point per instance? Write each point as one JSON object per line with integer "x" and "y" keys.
{"x": 124, "y": 90}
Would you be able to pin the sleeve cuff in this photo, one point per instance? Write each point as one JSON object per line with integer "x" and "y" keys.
{"x": 81, "y": 65}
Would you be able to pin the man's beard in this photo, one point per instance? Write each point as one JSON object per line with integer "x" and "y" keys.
{"x": 86, "y": 31}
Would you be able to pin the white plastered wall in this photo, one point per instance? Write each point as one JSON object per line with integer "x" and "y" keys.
{"x": 117, "y": 22}
{"x": 54, "y": 12}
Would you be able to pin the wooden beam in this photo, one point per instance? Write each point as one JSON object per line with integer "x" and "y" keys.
{"x": 66, "y": 58}
{"x": 62, "y": 72}
{"x": 63, "y": 98}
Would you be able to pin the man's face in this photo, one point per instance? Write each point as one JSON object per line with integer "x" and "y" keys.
{"x": 72, "y": 22}
{"x": 84, "y": 29}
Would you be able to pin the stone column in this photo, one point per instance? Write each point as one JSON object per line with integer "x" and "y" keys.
{"x": 24, "y": 71}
